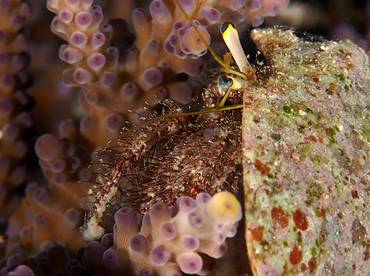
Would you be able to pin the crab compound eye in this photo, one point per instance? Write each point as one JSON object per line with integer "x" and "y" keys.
{"x": 225, "y": 26}
{"x": 225, "y": 81}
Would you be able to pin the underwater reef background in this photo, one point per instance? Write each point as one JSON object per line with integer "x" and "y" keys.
{"x": 97, "y": 178}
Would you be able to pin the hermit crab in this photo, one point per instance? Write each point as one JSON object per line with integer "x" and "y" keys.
{"x": 292, "y": 140}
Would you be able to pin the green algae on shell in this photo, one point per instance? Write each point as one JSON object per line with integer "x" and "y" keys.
{"x": 306, "y": 158}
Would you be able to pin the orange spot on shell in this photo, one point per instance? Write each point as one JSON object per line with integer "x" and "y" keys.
{"x": 295, "y": 256}
{"x": 367, "y": 255}
{"x": 295, "y": 156}
{"x": 278, "y": 214}
{"x": 303, "y": 267}
{"x": 354, "y": 194}
{"x": 264, "y": 169}
{"x": 312, "y": 264}
{"x": 257, "y": 233}
{"x": 300, "y": 220}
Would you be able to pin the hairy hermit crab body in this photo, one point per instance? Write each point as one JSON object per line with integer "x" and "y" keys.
{"x": 305, "y": 151}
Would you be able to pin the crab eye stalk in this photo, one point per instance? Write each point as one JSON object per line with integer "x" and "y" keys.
{"x": 225, "y": 81}
{"x": 228, "y": 82}
{"x": 231, "y": 38}
{"x": 225, "y": 26}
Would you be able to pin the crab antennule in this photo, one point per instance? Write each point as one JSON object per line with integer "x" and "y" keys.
{"x": 231, "y": 38}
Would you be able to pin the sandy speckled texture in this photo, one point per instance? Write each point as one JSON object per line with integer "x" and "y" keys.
{"x": 306, "y": 146}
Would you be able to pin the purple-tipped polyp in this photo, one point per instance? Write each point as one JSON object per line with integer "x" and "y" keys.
{"x": 163, "y": 64}
{"x": 159, "y": 11}
{"x": 114, "y": 122}
{"x": 272, "y": 10}
{"x": 255, "y": 5}
{"x": 173, "y": 40}
{"x": 190, "y": 243}
{"x": 168, "y": 231}
{"x": 126, "y": 217}
{"x": 98, "y": 39}
{"x": 83, "y": 19}
{"x": 113, "y": 52}
{"x": 231, "y": 232}
{"x": 47, "y": 147}
{"x": 107, "y": 240}
{"x": 112, "y": 258}
{"x": 15, "y": 22}
{"x": 211, "y": 15}
{"x": 97, "y": 15}
{"x": 138, "y": 17}
{"x": 145, "y": 272}
{"x": 236, "y": 4}
{"x": 70, "y": 264}
{"x": 159, "y": 212}
{"x": 23, "y": 270}
{"x": 185, "y": 203}
{"x": 153, "y": 76}
{"x": 202, "y": 198}
{"x": 96, "y": 61}
{"x": 91, "y": 97}
{"x": 168, "y": 47}
{"x": 10, "y": 132}
{"x": 152, "y": 45}
{"x": 6, "y": 106}
{"x": 159, "y": 255}
{"x": 41, "y": 197}
{"x": 78, "y": 39}
{"x": 189, "y": 262}
{"x": 106, "y": 29}
{"x": 58, "y": 165}
{"x": 195, "y": 220}
{"x": 108, "y": 78}
{"x": 256, "y": 21}
{"x": 129, "y": 90}
{"x": 4, "y": 57}
{"x": 188, "y": 5}
{"x": 94, "y": 253}
{"x": 139, "y": 244}
{"x": 65, "y": 16}
{"x": 218, "y": 238}
{"x": 70, "y": 55}
{"x": 75, "y": 162}
{"x": 25, "y": 9}
{"x": 71, "y": 217}
{"x": 15, "y": 259}
{"x": 17, "y": 62}
{"x": 7, "y": 81}
{"x": 190, "y": 42}
{"x": 81, "y": 76}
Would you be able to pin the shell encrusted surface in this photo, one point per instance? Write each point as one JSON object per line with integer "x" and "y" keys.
{"x": 306, "y": 158}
